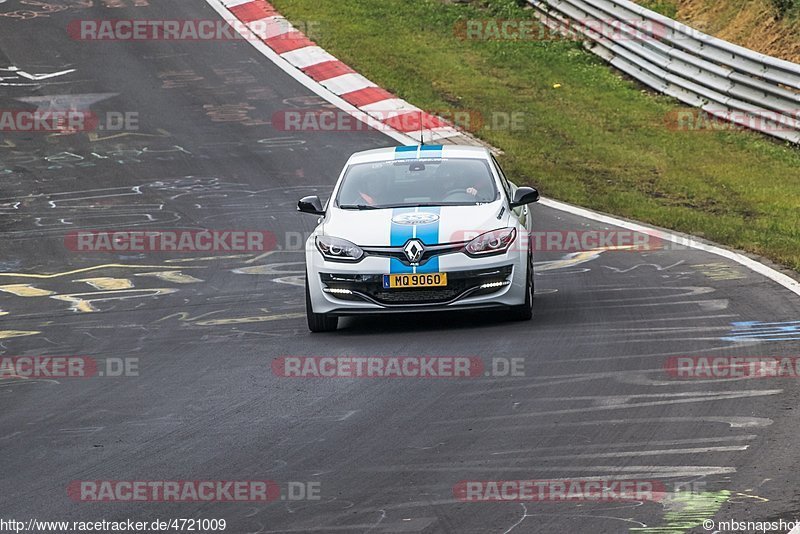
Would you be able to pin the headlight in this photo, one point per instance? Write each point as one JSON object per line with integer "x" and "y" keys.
{"x": 333, "y": 248}
{"x": 494, "y": 242}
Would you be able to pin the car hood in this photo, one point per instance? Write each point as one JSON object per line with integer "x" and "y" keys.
{"x": 394, "y": 226}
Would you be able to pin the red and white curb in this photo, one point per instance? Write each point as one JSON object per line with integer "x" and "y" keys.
{"x": 340, "y": 85}
{"x": 296, "y": 49}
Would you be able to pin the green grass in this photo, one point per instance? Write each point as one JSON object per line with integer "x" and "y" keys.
{"x": 787, "y": 10}
{"x": 668, "y": 8}
{"x": 599, "y": 140}
{"x": 786, "y": 7}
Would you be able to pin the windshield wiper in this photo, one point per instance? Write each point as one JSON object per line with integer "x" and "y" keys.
{"x": 430, "y": 204}
{"x": 358, "y": 207}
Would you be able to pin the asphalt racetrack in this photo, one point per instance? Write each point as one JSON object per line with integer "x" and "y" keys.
{"x": 370, "y": 455}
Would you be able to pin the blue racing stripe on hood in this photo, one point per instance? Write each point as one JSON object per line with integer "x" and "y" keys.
{"x": 400, "y": 233}
{"x": 427, "y": 233}
{"x": 398, "y": 236}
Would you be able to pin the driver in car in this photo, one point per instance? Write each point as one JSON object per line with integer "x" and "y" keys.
{"x": 480, "y": 188}
{"x": 371, "y": 190}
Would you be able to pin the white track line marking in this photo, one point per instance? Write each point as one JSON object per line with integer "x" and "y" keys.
{"x": 692, "y": 242}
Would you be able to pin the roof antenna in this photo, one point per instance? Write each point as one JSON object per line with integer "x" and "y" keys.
{"x": 421, "y": 135}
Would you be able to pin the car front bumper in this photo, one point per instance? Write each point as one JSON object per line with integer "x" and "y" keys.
{"x": 357, "y": 288}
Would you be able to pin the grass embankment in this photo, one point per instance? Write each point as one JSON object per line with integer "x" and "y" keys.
{"x": 597, "y": 141}
{"x": 767, "y": 26}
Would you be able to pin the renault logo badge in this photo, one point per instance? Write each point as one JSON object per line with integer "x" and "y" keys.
{"x": 414, "y": 250}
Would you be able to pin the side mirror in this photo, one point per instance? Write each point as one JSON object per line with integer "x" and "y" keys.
{"x": 312, "y": 205}
{"x": 524, "y": 195}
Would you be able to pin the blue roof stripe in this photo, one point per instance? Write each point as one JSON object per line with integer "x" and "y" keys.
{"x": 413, "y": 152}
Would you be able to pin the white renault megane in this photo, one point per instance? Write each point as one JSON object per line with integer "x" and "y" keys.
{"x": 419, "y": 228}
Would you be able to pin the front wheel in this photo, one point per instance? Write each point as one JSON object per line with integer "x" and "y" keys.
{"x": 319, "y": 322}
{"x": 524, "y": 312}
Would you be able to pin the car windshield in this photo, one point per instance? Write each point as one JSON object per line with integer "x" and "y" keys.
{"x": 417, "y": 182}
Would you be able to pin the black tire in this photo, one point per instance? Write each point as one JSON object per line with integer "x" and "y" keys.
{"x": 524, "y": 312}
{"x": 319, "y": 322}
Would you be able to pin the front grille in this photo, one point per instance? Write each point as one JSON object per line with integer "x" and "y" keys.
{"x": 419, "y": 295}
{"x": 431, "y": 251}
{"x": 458, "y": 283}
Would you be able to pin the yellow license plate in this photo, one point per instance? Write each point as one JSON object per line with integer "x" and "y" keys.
{"x": 392, "y": 281}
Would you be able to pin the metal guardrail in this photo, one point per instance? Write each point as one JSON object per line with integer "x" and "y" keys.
{"x": 726, "y": 80}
